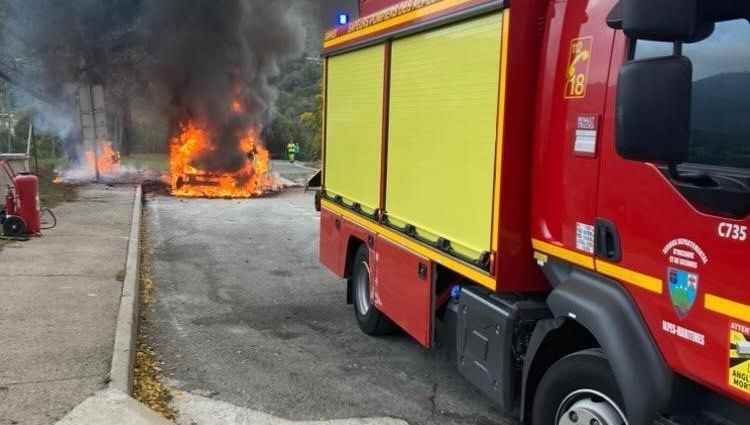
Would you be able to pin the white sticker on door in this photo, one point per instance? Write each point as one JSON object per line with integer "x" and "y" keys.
{"x": 585, "y": 238}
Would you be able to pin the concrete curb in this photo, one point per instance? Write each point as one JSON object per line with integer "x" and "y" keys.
{"x": 112, "y": 407}
{"x": 123, "y": 356}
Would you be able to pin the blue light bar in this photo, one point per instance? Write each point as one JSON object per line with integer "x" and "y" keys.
{"x": 343, "y": 19}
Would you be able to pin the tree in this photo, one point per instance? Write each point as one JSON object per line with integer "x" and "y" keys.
{"x": 281, "y": 132}
{"x": 298, "y": 113}
{"x": 312, "y": 123}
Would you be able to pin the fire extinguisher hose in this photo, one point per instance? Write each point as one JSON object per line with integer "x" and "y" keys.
{"x": 54, "y": 219}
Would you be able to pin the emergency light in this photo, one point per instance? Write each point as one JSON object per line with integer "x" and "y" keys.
{"x": 343, "y": 19}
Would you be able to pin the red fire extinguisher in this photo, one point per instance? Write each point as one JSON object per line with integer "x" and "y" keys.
{"x": 22, "y": 213}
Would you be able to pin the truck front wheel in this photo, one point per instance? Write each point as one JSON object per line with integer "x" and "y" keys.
{"x": 579, "y": 389}
{"x": 371, "y": 321}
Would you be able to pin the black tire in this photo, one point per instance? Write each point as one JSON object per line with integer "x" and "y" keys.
{"x": 13, "y": 226}
{"x": 582, "y": 377}
{"x": 370, "y": 319}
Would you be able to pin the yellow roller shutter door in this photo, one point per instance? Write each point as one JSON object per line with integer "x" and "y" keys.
{"x": 354, "y": 132}
{"x": 443, "y": 126}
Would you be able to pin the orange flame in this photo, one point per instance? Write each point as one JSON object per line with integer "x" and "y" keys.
{"x": 106, "y": 160}
{"x": 188, "y": 181}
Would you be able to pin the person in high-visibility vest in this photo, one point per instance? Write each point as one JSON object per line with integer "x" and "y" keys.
{"x": 292, "y": 149}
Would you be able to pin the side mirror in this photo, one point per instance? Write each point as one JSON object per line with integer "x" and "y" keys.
{"x": 662, "y": 20}
{"x": 653, "y": 110}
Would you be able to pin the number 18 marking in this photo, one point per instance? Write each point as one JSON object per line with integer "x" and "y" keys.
{"x": 577, "y": 86}
{"x": 578, "y": 67}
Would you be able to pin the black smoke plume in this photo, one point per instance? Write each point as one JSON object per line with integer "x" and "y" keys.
{"x": 192, "y": 58}
{"x": 213, "y": 53}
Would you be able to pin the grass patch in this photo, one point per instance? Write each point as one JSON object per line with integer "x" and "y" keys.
{"x": 52, "y": 194}
{"x": 147, "y": 161}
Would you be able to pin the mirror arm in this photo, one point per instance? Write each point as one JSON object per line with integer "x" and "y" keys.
{"x": 674, "y": 172}
{"x": 700, "y": 178}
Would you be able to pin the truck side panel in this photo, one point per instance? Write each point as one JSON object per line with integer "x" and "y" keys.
{"x": 522, "y": 33}
{"x": 338, "y": 240}
{"x": 403, "y": 289}
{"x": 402, "y": 285}
{"x": 567, "y": 147}
{"x": 332, "y": 244}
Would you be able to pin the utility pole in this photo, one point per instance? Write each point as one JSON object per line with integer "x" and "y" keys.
{"x": 93, "y": 117}
{"x": 7, "y": 118}
{"x": 96, "y": 133}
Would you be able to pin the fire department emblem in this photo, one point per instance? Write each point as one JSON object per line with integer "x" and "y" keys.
{"x": 683, "y": 290}
{"x": 579, "y": 64}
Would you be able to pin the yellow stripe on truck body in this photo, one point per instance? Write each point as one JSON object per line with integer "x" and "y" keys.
{"x": 472, "y": 273}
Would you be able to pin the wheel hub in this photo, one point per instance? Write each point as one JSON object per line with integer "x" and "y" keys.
{"x": 589, "y": 407}
{"x": 362, "y": 290}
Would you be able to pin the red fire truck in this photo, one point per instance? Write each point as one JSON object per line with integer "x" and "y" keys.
{"x": 558, "y": 189}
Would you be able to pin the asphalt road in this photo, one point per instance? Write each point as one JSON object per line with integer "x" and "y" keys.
{"x": 244, "y": 314}
{"x": 297, "y": 172}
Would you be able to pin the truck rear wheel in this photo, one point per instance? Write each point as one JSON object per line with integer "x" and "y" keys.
{"x": 579, "y": 389}
{"x": 370, "y": 320}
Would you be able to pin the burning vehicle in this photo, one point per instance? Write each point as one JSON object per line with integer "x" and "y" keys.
{"x": 219, "y": 106}
{"x": 188, "y": 179}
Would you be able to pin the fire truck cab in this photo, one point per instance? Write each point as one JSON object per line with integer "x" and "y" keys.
{"x": 560, "y": 190}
